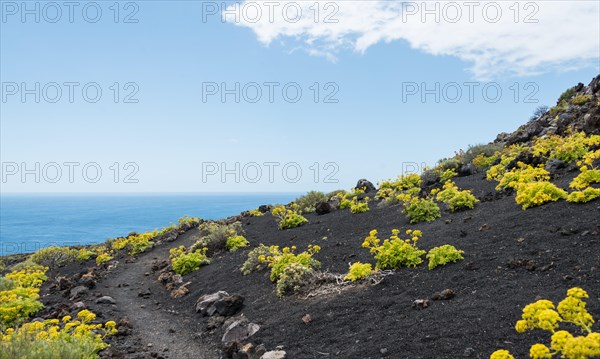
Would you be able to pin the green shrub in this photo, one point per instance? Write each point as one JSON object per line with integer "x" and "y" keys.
{"x": 567, "y": 94}
{"x": 442, "y": 255}
{"x": 257, "y": 260}
{"x": 562, "y": 106}
{"x": 537, "y": 193}
{"x": 103, "y": 256}
{"x": 6, "y": 284}
{"x": 20, "y": 298}
{"x": 456, "y": 199}
{"x": 308, "y": 202}
{"x": 587, "y": 195}
{"x": 54, "y": 339}
{"x": 235, "y": 242}
{"x": 135, "y": 243}
{"x": 447, "y": 175}
{"x": 581, "y": 99}
{"x": 482, "y": 161}
{"x": 54, "y": 257}
{"x": 293, "y": 278}
{"x": 359, "y": 206}
{"x": 358, "y": 271}
{"x": 480, "y": 150}
{"x": 567, "y": 149}
{"x": 394, "y": 252}
{"x": 585, "y": 178}
{"x": 449, "y": 163}
{"x": 419, "y": 209}
{"x": 255, "y": 213}
{"x": 22, "y": 265}
{"x": 85, "y": 254}
{"x": 522, "y": 174}
{"x": 214, "y": 236}
{"x": 288, "y": 218}
{"x": 185, "y": 262}
{"x": 281, "y": 258}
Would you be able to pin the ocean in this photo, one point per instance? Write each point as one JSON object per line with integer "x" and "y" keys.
{"x": 29, "y": 222}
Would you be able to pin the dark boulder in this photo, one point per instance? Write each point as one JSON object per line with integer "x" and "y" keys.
{"x": 365, "y": 185}
{"x": 323, "y": 208}
{"x": 264, "y": 208}
{"x": 467, "y": 170}
{"x": 230, "y": 305}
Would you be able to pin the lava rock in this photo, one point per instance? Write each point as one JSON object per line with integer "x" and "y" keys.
{"x": 144, "y": 293}
{"x": 429, "y": 178}
{"x": 467, "y": 170}
{"x": 88, "y": 281}
{"x": 554, "y": 165}
{"x": 264, "y": 208}
{"x": 239, "y": 331}
{"x": 366, "y": 185}
{"x": 446, "y": 294}
{"x": 420, "y": 304}
{"x": 323, "y": 208}
{"x": 229, "y": 305}
{"x": 78, "y": 291}
{"x": 206, "y": 301}
{"x": 274, "y": 354}
{"x": 106, "y": 300}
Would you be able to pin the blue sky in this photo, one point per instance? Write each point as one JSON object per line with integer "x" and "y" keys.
{"x": 173, "y": 140}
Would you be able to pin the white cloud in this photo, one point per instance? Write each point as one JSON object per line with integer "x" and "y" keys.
{"x": 566, "y": 35}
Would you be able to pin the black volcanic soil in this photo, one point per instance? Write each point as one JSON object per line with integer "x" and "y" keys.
{"x": 512, "y": 258}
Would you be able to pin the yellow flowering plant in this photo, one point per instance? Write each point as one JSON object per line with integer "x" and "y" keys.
{"x": 442, "y": 255}
{"x": 20, "y": 301}
{"x": 288, "y": 217}
{"x": 419, "y": 209}
{"x": 52, "y": 338}
{"x": 588, "y": 194}
{"x": 395, "y": 252}
{"x": 538, "y": 193}
{"x": 358, "y": 271}
{"x": 456, "y": 199}
{"x": 279, "y": 258}
{"x": 234, "y": 242}
{"x": 522, "y": 174}
{"x": 255, "y": 213}
{"x": 357, "y": 206}
{"x": 544, "y": 315}
{"x": 586, "y": 178}
{"x": 185, "y": 262}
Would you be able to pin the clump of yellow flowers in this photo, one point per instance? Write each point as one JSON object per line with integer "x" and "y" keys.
{"x": 288, "y": 217}
{"x": 19, "y": 300}
{"x": 280, "y": 258}
{"x": 51, "y": 338}
{"x": 544, "y": 315}
{"x": 395, "y": 252}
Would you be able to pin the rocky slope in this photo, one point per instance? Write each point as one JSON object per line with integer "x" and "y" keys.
{"x": 465, "y": 309}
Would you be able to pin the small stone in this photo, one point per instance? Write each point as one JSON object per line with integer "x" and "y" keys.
{"x": 468, "y": 352}
{"x": 78, "y": 291}
{"x": 484, "y": 227}
{"x": 383, "y": 351}
{"x": 106, "y": 300}
{"x": 274, "y": 354}
{"x": 307, "y": 319}
{"x": 420, "y": 303}
{"x": 446, "y": 294}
